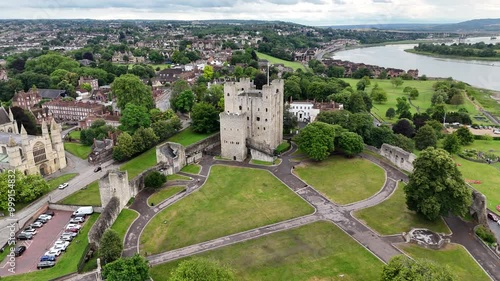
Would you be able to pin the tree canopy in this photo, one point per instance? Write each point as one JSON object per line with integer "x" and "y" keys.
{"x": 316, "y": 140}
{"x": 465, "y": 136}
{"x": 128, "y": 88}
{"x": 199, "y": 269}
{"x": 135, "y": 268}
{"x": 110, "y": 246}
{"x": 204, "y": 118}
{"x": 425, "y": 137}
{"x": 436, "y": 186}
{"x": 401, "y": 268}
{"x": 27, "y": 188}
{"x": 133, "y": 117}
{"x": 350, "y": 143}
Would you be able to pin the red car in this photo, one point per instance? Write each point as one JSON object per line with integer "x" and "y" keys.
{"x": 492, "y": 217}
{"x": 72, "y": 229}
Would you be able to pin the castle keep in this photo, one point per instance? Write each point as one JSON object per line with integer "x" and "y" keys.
{"x": 252, "y": 120}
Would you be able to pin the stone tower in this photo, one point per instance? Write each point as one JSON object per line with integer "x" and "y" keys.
{"x": 15, "y": 156}
{"x": 252, "y": 120}
{"x": 115, "y": 184}
{"x": 57, "y": 143}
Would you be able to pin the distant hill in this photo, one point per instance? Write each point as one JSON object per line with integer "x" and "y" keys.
{"x": 471, "y": 26}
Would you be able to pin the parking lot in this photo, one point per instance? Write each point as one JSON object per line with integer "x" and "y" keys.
{"x": 41, "y": 242}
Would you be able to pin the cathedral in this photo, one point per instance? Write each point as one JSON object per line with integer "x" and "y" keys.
{"x": 30, "y": 154}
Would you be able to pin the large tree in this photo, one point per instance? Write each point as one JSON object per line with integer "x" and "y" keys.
{"x": 26, "y": 188}
{"x": 401, "y": 268}
{"x": 135, "y": 268}
{"x": 350, "y": 143}
{"x": 451, "y": 143}
{"x": 378, "y": 94}
{"x": 184, "y": 101}
{"x": 133, "y": 117}
{"x": 124, "y": 148}
{"x": 316, "y": 140}
{"x": 404, "y": 127}
{"x": 436, "y": 186}
{"x": 110, "y": 246}
{"x": 199, "y": 269}
{"x": 425, "y": 137}
{"x": 465, "y": 136}
{"x": 204, "y": 118}
{"x": 128, "y": 88}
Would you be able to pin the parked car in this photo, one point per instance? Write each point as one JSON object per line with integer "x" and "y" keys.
{"x": 45, "y": 264}
{"x": 31, "y": 230}
{"x": 25, "y": 236}
{"x": 97, "y": 169}
{"x": 36, "y": 224}
{"x": 63, "y": 186}
{"x": 50, "y": 213}
{"x": 493, "y": 217}
{"x": 61, "y": 242}
{"x": 66, "y": 237}
{"x": 19, "y": 251}
{"x": 48, "y": 258}
{"x": 44, "y": 217}
{"x": 53, "y": 252}
{"x": 77, "y": 220}
{"x": 88, "y": 210}
{"x": 73, "y": 225}
{"x": 58, "y": 247}
{"x": 73, "y": 234}
{"x": 73, "y": 229}
{"x": 79, "y": 215}
{"x": 44, "y": 221}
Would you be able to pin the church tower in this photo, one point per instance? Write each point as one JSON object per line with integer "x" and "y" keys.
{"x": 15, "y": 159}
{"x": 57, "y": 144}
{"x": 28, "y": 151}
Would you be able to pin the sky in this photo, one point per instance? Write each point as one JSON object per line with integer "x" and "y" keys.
{"x": 309, "y": 12}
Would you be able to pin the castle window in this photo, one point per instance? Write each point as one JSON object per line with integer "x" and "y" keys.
{"x": 258, "y": 128}
{"x": 240, "y": 107}
{"x": 266, "y": 109}
{"x": 277, "y": 90}
{"x": 264, "y": 128}
{"x": 258, "y": 118}
{"x": 266, "y": 119}
{"x": 248, "y": 118}
{"x": 258, "y": 109}
{"x": 228, "y": 94}
{"x": 10, "y": 130}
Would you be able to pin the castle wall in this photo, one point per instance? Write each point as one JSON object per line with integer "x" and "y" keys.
{"x": 399, "y": 157}
{"x": 115, "y": 184}
{"x": 233, "y": 135}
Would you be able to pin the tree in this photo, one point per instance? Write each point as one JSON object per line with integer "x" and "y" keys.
{"x": 425, "y": 137}
{"x": 199, "y": 269}
{"x": 378, "y": 94}
{"x": 451, "y": 143}
{"x": 335, "y": 71}
{"x": 457, "y": 99}
{"x": 185, "y": 101}
{"x": 260, "y": 80}
{"x": 351, "y": 143}
{"x": 289, "y": 121}
{"x": 110, "y": 246}
{"x": 316, "y": 140}
{"x": 165, "y": 129}
{"x": 26, "y": 119}
{"x": 361, "y": 85}
{"x": 414, "y": 94}
{"x": 404, "y": 127}
{"x": 439, "y": 97}
{"x": 135, "y": 268}
{"x": 87, "y": 87}
{"x": 397, "y": 81}
{"x": 403, "y": 268}
{"x": 154, "y": 179}
{"x": 403, "y": 142}
{"x": 128, "y": 88}
{"x": 436, "y": 186}
{"x": 134, "y": 117}
{"x": 356, "y": 103}
{"x": 156, "y": 57}
{"x": 144, "y": 138}
{"x": 26, "y": 188}
{"x": 402, "y": 105}
{"x": 208, "y": 72}
{"x": 390, "y": 113}
{"x": 124, "y": 148}
{"x": 465, "y": 136}
{"x": 204, "y": 118}
{"x": 238, "y": 71}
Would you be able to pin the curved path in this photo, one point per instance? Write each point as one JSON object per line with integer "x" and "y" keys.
{"x": 381, "y": 246}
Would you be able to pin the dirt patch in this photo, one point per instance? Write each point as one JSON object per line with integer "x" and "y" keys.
{"x": 480, "y": 132}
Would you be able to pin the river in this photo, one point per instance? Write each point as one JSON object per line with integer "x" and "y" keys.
{"x": 483, "y": 74}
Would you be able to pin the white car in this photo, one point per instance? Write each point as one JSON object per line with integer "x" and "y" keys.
{"x": 61, "y": 242}
{"x": 73, "y": 225}
{"x": 63, "y": 186}
{"x": 66, "y": 238}
{"x": 59, "y": 247}
{"x": 45, "y": 217}
{"x": 53, "y": 252}
{"x": 77, "y": 220}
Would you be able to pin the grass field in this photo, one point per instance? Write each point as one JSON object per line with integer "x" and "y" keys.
{"x": 187, "y": 137}
{"x": 163, "y": 194}
{"x": 66, "y": 263}
{"x": 123, "y": 221}
{"x": 260, "y": 162}
{"x": 54, "y": 183}
{"x": 343, "y": 180}
{"x": 88, "y": 196}
{"x": 393, "y": 217}
{"x": 316, "y": 252}
{"x": 75, "y": 135}
{"x": 454, "y": 256}
{"x": 140, "y": 163}
{"x": 292, "y": 64}
{"x": 487, "y": 102}
{"x": 77, "y": 149}
{"x": 422, "y": 102}
{"x": 176, "y": 177}
{"x": 490, "y": 146}
{"x": 232, "y": 200}
{"x": 192, "y": 169}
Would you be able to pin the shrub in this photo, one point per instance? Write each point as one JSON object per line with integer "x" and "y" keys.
{"x": 154, "y": 179}
{"x": 485, "y": 234}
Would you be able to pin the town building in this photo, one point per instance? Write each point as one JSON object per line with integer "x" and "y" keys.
{"x": 3, "y": 75}
{"x": 306, "y": 111}
{"x": 73, "y": 110}
{"x": 94, "y": 83}
{"x": 111, "y": 120}
{"x": 30, "y": 154}
{"x": 27, "y": 100}
{"x": 252, "y": 120}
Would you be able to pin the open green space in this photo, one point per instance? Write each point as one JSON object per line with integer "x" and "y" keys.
{"x": 232, "y": 200}
{"x": 187, "y": 137}
{"x": 163, "y": 194}
{"x": 484, "y": 97}
{"x": 487, "y": 146}
{"x": 459, "y": 261}
{"x": 343, "y": 180}
{"x": 283, "y": 147}
{"x": 393, "y": 217}
{"x": 54, "y": 183}
{"x": 84, "y": 197}
{"x": 140, "y": 163}
{"x": 318, "y": 251}
{"x": 422, "y": 102}
{"x": 273, "y": 60}
{"x": 75, "y": 135}
{"x": 123, "y": 222}
{"x": 192, "y": 169}
{"x": 263, "y": 163}
{"x": 176, "y": 177}
{"x": 66, "y": 263}
{"x": 77, "y": 149}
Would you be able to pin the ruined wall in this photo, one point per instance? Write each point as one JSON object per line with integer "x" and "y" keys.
{"x": 105, "y": 221}
{"x": 115, "y": 184}
{"x": 173, "y": 155}
{"x": 399, "y": 157}
{"x": 478, "y": 208}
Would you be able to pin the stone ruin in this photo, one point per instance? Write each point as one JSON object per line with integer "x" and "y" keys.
{"x": 425, "y": 238}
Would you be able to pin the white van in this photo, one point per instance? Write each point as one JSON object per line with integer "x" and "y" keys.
{"x": 82, "y": 211}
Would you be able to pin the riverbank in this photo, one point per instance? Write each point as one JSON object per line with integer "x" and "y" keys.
{"x": 429, "y": 54}
{"x": 404, "y": 42}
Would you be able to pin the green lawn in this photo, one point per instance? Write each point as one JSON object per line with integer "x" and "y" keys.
{"x": 341, "y": 179}
{"x": 123, "y": 221}
{"x": 316, "y": 252}
{"x": 393, "y": 217}
{"x": 88, "y": 196}
{"x": 163, "y": 194}
{"x": 283, "y": 147}
{"x": 192, "y": 169}
{"x": 66, "y": 263}
{"x": 77, "y": 149}
{"x": 490, "y": 146}
{"x": 176, "y": 177}
{"x": 484, "y": 98}
{"x": 54, "y": 183}
{"x": 187, "y": 137}
{"x": 423, "y": 101}
{"x": 232, "y": 200}
{"x": 292, "y": 64}
{"x": 260, "y": 162}
{"x": 75, "y": 134}
{"x": 454, "y": 256}
{"x": 140, "y": 163}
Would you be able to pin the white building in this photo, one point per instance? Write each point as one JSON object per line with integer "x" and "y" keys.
{"x": 306, "y": 111}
